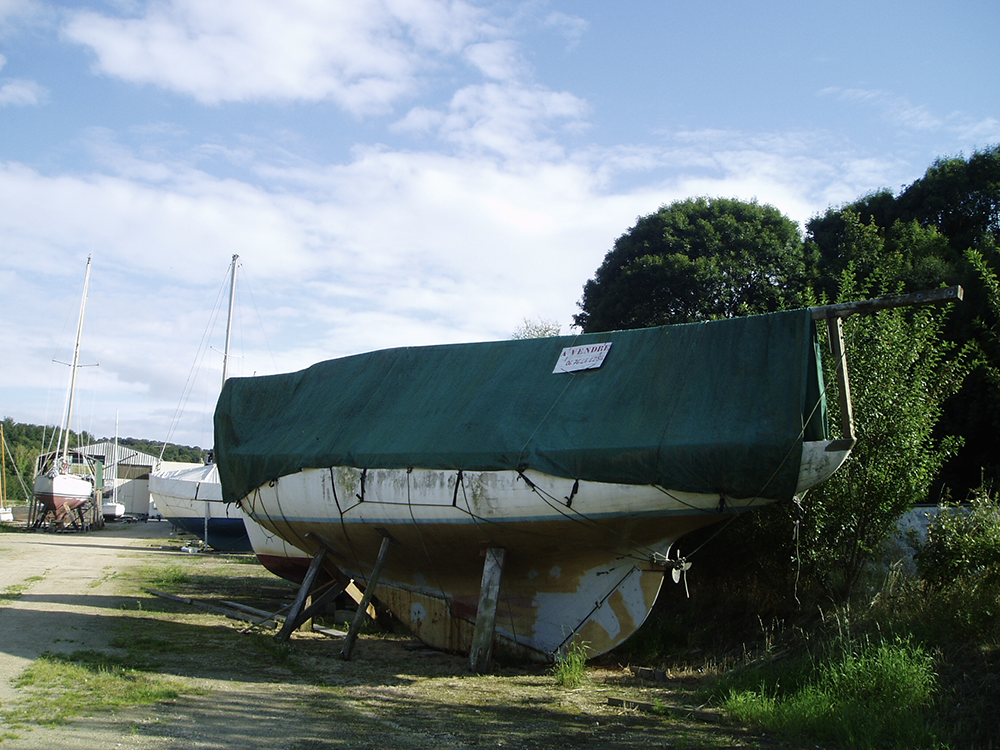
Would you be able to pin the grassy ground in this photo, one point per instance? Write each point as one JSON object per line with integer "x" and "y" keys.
{"x": 173, "y": 675}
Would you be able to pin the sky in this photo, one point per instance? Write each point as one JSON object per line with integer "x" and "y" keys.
{"x": 412, "y": 172}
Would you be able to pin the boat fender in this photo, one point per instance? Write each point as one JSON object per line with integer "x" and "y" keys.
{"x": 458, "y": 483}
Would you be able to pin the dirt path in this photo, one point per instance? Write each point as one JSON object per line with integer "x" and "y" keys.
{"x": 72, "y": 592}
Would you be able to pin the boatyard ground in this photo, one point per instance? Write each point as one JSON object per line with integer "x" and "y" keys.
{"x": 90, "y": 659}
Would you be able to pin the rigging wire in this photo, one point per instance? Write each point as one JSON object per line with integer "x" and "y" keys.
{"x": 196, "y": 365}
{"x": 253, "y": 302}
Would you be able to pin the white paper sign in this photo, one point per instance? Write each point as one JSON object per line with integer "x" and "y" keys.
{"x": 588, "y": 357}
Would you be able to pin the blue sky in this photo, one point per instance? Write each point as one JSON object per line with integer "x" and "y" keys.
{"x": 408, "y": 172}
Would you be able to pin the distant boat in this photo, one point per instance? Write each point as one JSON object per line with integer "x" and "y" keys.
{"x": 111, "y": 509}
{"x": 191, "y": 498}
{"x": 65, "y": 481}
{"x": 572, "y": 465}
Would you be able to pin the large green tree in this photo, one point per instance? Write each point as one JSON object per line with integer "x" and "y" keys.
{"x": 902, "y": 372}
{"x": 927, "y": 229}
{"x": 697, "y": 259}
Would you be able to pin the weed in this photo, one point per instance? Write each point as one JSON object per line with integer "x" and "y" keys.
{"x": 570, "y": 666}
{"x": 171, "y": 575}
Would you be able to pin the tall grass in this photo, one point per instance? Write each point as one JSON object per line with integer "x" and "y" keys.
{"x": 570, "y": 666}
{"x": 855, "y": 694}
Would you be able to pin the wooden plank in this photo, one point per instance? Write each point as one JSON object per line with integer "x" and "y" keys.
{"x": 836, "y": 329}
{"x": 233, "y": 614}
{"x": 481, "y": 652}
{"x": 866, "y": 306}
{"x": 292, "y": 621}
{"x": 359, "y": 617}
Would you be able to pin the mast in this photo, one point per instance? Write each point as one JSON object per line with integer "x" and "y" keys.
{"x": 114, "y": 479}
{"x": 229, "y": 320}
{"x": 3, "y": 476}
{"x": 75, "y": 365}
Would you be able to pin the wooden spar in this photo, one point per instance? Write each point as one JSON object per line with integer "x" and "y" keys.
{"x": 834, "y": 316}
{"x": 867, "y": 306}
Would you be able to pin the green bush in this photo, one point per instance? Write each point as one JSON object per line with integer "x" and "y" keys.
{"x": 963, "y": 542}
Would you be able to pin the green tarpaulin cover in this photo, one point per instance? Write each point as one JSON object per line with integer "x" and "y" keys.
{"x": 719, "y": 407}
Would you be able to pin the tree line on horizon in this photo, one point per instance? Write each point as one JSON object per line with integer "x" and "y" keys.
{"x": 25, "y": 442}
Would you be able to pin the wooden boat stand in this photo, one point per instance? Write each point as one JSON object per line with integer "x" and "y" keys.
{"x": 63, "y": 518}
{"x": 319, "y": 596}
{"x": 481, "y": 653}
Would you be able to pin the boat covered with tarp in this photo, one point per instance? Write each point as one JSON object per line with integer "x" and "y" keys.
{"x": 584, "y": 458}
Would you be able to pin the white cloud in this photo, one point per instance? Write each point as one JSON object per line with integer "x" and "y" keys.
{"x": 364, "y": 56}
{"x": 917, "y": 118}
{"x": 23, "y": 93}
{"x": 497, "y": 60}
{"x": 571, "y": 27}
{"x": 511, "y": 119}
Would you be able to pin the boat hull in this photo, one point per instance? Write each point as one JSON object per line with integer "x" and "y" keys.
{"x": 191, "y": 499}
{"x": 274, "y": 553}
{"x": 584, "y": 561}
{"x": 57, "y": 492}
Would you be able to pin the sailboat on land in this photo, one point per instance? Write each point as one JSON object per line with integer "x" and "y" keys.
{"x": 532, "y": 492}
{"x": 65, "y": 481}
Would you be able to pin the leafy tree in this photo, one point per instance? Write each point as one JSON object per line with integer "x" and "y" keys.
{"x": 961, "y": 197}
{"x": 697, "y": 259}
{"x": 536, "y": 329}
{"x": 902, "y": 373}
{"x": 931, "y": 224}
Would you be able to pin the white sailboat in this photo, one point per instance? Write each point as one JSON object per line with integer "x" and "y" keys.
{"x": 65, "y": 482}
{"x": 111, "y": 509}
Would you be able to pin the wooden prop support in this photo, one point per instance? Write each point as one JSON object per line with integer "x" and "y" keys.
{"x": 481, "y": 652}
{"x": 359, "y": 617}
{"x": 376, "y": 610}
{"x": 292, "y": 620}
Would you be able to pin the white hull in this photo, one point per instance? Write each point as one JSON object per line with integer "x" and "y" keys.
{"x": 584, "y": 560}
{"x": 57, "y": 490}
{"x": 112, "y": 511}
{"x": 278, "y": 556}
{"x": 191, "y": 499}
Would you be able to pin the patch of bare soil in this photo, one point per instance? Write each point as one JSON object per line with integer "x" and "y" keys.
{"x": 71, "y": 592}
